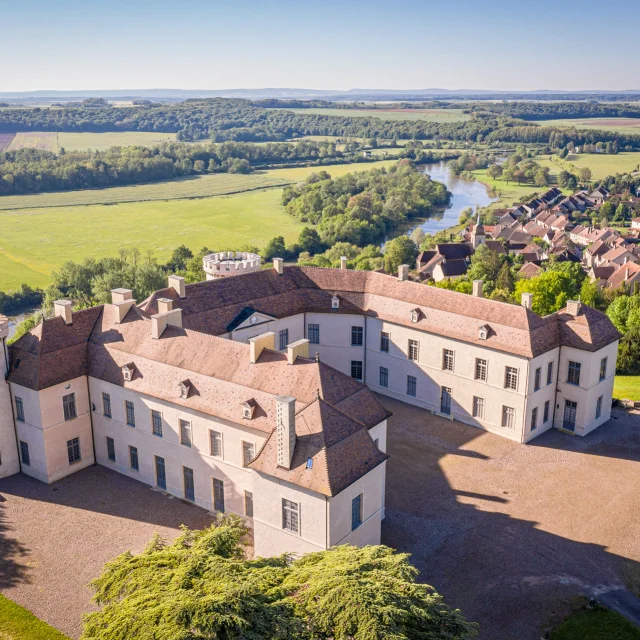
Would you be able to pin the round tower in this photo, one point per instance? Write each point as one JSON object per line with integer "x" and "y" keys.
{"x": 229, "y": 263}
{"x": 8, "y": 446}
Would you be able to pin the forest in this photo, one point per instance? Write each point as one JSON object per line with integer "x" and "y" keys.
{"x": 557, "y": 110}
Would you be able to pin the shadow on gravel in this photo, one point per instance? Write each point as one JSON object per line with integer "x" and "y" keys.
{"x": 12, "y": 554}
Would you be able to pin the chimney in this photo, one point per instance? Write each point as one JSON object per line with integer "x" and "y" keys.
{"x": 343, "y": 262}
{"x": 527, "y": 300}
{"x": 164, "y": 305}
{"x": 573, "y": 307}
{"x": 286, "y": 429}
{"x": 278, "y": 265}
{"x": 295, "y": 349}
{"x": 63, "y": 309}
{"x": 122, "y": 300}
{"x": 161, "y": 321}
{"x": 477, "y": 288}
{"x": 258, "y": 344}
{"x": 403, "y": 272}
{"x": 177, "y": 283}
{"x": 626, "y": 274}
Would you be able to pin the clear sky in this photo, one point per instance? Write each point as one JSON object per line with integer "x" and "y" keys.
{"x": 319, "y": 44}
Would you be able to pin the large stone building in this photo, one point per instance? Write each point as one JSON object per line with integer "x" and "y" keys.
{"x": 253, "y": 394}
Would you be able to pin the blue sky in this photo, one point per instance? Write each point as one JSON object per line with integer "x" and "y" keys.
{"x": 330, "y": 44}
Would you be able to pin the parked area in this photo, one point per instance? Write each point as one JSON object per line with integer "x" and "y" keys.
{"x": 508, "y": 533}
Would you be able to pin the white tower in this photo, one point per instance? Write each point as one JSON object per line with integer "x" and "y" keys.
{"x": 477, "y": 233}
{"x": 8, "y": 447}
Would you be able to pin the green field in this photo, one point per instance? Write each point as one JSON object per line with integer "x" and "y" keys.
{"x": 17, "y": 623}
{"x": 621, "y": 125}
{"x": 429, "y": 115}
{"x": 602, "y": 164}
{"x": 35, "y": 241}
{"x": 627, "y": 388}
{"x": 596, "y": 624}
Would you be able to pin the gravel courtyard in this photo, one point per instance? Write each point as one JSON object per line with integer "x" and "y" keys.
{"x": 510, "y": 533}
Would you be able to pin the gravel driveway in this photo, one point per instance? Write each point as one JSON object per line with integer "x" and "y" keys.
{"x": 510, "y": 533}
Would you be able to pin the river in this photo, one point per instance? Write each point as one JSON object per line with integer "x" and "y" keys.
{"x": 14, "y": 321}
{"x": 465, "y": 193}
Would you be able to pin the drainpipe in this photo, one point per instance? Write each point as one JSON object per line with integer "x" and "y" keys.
{"x": 13, "y": 411}
{"x": 93, "y": 435}
{"x": 555, "y": 399}
{"x": 526, "y": 397}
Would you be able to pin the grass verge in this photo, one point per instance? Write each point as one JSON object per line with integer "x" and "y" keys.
{"x": 596, "y": 624}
{"x": 16, "y": 623}
{"x": 627, "y": 387}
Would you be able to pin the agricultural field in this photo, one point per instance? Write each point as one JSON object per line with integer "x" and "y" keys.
{"x": 102, "y": 141}
{"x": 621, "y": 125}
{"x": 5, "y": 140}
{"x": 430, "y": 115}
{"x": 45, "y": 140}
{"x": 601, "y": 164}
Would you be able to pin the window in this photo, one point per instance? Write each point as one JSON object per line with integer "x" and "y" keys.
{"x": 69, "y": 406}
{"x": 19, "y": 409}
{"x": 284, "y": 338}
{"x": 412, "y": 352}
{"x": 536, "y": 383}
{"x": 573, "y": 374}
{"x": 313, "y": 333}
{"x": 356, "y": 369}
{"x": 248, "y": 452}
{"x": 445, "y": 401}
{"x": 384, "y": 377}
{"x": 24, "y": 453}
{"x": 550, "y": 373}
{"x": 508, "y": 417}
{"x": 73, "y": 450}
{"x": 510, "y": 378}
{"x": 603, "y": 369}
{"x": 218, "y": 495}
{"x": 106, "y": 405}
{"x": 356, "y": 512}
{"x": 290, "y": 516}
{"x": 357, "y": 336}
{"x": 185, "y": 433}
{"x": 570, "y": 413}
{"x": 161, "y": 475}
{"x": 478, "y": 408}
{"x": 189, "y": 486}
{"x": 111, "y": 449}
{"x": 534, "y": 418}
{"x": 130, "y": 413}
{"x": 215, "y": 443}
{"x": 481, "y": 370}
{"x": 412, "y": 385}
{"x": 599, "y": 407}
{"x": 156, "y": 423}
{"x": 384, "y": 341}
{"x": 133, "y": 458}
{"x": 447, "y": 359}
{"x": 545, "y": 415}
{"x": 248, "y": 504}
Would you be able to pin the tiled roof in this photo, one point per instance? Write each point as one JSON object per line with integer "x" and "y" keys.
{"x": 529, "y": 270}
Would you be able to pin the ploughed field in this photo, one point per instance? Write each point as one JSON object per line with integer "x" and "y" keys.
{"x": 5, "y": 140}
{"x": 429, "y": 115}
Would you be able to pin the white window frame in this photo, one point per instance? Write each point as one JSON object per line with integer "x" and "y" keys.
{"x": 291, "y": 516}
{"x": 107, "y": 411}
{"x": 129, "y": 404}
{"x": 157, "y": 434}
{"x": 481, "y": 369}
{"x": 185, "y": 428}
{"x": 211, "y": 441}
{"x": 247, "y": 443}
{"x": 69, "y": 407}
{"x": 478, "y": 407}
{"x": 448, "y": 359}
{"x": 19, "y": 402}
{"x": 413, "y": 350}
{"x": 508, "y": 417}
{"x": 283, "y": 338}
{"x": 73, "y": 450}
{"x": 385, "y": 341}
{"x": 511, "y": 375}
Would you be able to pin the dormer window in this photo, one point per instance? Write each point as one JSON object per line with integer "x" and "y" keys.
{"x": 335, "y": 302}
{"x": 248, "y": 408}
{"x": 483, "y": 332}
{"x": 415, "y": 315}
{"x": 128, "y": 371}
{"x": 184, "y": 388}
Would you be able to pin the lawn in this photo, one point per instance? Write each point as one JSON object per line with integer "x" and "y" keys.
{"x": 429, "y": 115}
{"x": 17, "y": 623}
{"x": 603, "y": 165}
{"x": 621, "y": 125}
{"x": 627, "y": 387}
{"x": 509, "y": 193}
{"x": 596, "y": 624}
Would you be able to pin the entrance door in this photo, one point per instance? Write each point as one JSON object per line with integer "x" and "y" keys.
{"x": 161, "y": 478}
{"x": 570, "y": 409}
{"x": 445, "y": 400}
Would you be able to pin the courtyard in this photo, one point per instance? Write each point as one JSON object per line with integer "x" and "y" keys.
{"x": 511, "y": 534}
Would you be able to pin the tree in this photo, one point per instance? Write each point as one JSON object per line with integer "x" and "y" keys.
{"x": 629, "y": 353}
{"x": 179, "y": 258}
{"x": 504, "y": 281}
{"x": 309, "y": 240}
{"x": 494, "y": 171}
{"x": 485, "y": 265}
{"x": 400, "y": 250}
{"x": 508, "y": 174}
{"x": 585, "y": 174}
{"x": 620, "y": 310}
{"x": 202, "y": 586}
{"x": 275, "y": 249}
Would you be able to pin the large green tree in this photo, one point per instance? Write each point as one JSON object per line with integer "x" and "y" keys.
{"x": 400, "y": 250}
{"x": 202, "y": 587}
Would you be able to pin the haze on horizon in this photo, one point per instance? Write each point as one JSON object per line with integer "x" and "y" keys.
{"x": 408, "y": 44}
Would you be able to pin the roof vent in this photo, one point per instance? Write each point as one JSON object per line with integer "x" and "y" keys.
{"x": 527, "y": 300}
{"x": 184, "y": 388}
{"x": 483, "y": 332}
{"x": 335, "y": 302}
{"x": 403, "y": 272}
{"x": 477, "y": 288}
{"x": 164, "y": 305}
{"x": 248, "y": 408}
{"x": 573, "y": 307}
{"x": 278, "y": 265}
{"x": 415, "y": 315}
{"x": 343, "y": 262}
{"x": 128, "y": 371}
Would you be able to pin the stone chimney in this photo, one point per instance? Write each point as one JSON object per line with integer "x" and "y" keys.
{"x": 161, "y": 321}
{"x": 295, "y": 349}
{"x": 343, "y": 262}
{"x": 527, "y": 300}
{"x": 285, "y": 429}
{"x": 573, "y": 307}
{"x": 278, "y": 265}
{"x": 258, "y": 344}
{"x": 403, "y": 272}
{"x": 477, "y": 288}
{"x": 63, "y": 309}
{"x": 122, "y": 300}
{"x": 164, "y": 305}
{"x": 177, "y": 283}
